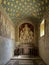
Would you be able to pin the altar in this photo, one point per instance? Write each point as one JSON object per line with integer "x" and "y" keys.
{"x": 26, "y": 49}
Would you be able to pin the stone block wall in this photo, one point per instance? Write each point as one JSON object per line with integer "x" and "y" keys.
{"x": 44, "y": 41}
{"x": 7, "y": 37}
{"x": 6, "y": 49}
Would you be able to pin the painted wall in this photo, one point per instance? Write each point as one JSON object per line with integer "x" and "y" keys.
{"x": 44, "y": 41}
{"x": 7, "y": 28}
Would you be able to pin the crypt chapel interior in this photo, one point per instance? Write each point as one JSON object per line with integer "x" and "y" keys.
{"x": 24, "y": 32}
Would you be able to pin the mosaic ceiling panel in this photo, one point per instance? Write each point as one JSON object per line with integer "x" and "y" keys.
{"x": 18, "y": 9}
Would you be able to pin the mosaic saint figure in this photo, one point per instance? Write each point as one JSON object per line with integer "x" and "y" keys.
{"x": 26, "y": 35}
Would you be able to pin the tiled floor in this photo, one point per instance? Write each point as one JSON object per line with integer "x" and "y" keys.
{"x": 26, "y": 61}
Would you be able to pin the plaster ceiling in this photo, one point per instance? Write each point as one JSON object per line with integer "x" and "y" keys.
{"x": 19, "y": 9}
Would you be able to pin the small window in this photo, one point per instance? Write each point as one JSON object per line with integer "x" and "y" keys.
{"x": 42, "y": 28}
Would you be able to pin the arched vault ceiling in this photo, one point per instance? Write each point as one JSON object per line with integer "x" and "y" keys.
{"x": 19, "y": 9}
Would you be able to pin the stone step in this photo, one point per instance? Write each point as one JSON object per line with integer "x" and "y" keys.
{"x": 36, "y": 61}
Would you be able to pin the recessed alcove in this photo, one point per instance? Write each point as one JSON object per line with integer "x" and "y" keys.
{"x": 26, "y": 35}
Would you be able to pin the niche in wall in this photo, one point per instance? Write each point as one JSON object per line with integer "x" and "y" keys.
{"x": 26, "y": 33}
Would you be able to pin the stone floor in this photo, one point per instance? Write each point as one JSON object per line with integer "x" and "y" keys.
{"x": 26, "y": 61}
